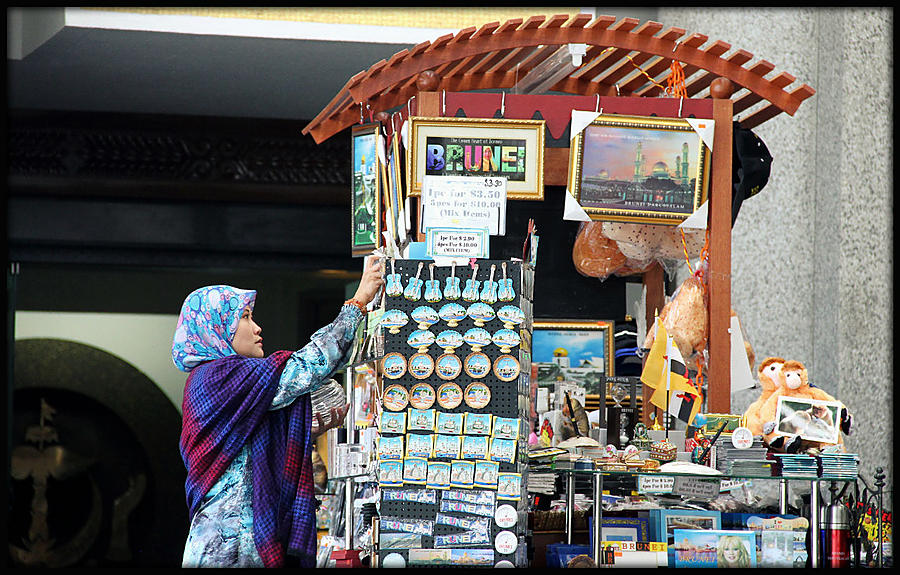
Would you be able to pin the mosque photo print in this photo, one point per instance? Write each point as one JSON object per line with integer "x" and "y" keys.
{"x": 578, "y": 351}
{"x": 639, "y": 169}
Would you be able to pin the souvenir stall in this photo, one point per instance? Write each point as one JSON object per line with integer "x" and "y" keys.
{"x": 630, "y": 130}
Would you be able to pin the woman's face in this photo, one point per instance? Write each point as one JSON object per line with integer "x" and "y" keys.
{"x": 247, "y": 340}
{"x": 732, "y": 551}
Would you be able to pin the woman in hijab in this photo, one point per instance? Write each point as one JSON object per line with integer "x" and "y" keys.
{"x": 247, "y": 430}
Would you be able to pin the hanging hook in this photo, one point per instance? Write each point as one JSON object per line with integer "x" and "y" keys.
{"x": 360, "y": 113}
{"x": 617, "y": 90}
{"x": 503, "y": 104}
{"x": 680, "y": 103}
{"x": 597, "y": 106}
{"x": 443, "y": 102}
{"x": 408, "y": 109}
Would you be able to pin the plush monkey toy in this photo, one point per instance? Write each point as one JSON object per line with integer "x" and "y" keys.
{"x": 767, "y": 373}
{"x": 794, "y": 382}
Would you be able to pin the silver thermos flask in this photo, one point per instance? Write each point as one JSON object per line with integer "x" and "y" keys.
{"x": 835, "y": 536}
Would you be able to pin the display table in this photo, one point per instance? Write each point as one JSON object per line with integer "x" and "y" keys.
{"x": 597, "y": 490}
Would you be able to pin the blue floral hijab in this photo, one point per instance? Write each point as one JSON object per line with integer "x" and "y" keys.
{"x": 207, "y": 324}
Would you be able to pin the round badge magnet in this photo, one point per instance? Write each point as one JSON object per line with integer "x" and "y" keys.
{"x": 448, "y": 366}
{"x": 395, "y": 398}
{"x": 477, "y": 395}
{"x": 393, "y": 365}
{"x": 449, "y": 395}
{"x": 742, "y": 438}
{"x": 477, "y": 365}
{"x": 506, "y": 542}
{"x": 420, "y": 365}
{"x": 421, "y": 396}
{"x": 506, "y": 368}
{"x": 506, "y": 516}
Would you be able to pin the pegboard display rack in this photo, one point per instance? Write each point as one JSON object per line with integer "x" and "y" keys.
{"x": 509, "y": 399}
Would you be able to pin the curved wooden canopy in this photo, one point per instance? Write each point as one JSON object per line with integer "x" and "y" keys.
{"x": 624, "y": 58}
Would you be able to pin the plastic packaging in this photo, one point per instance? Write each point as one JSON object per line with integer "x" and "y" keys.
{"x": 594, "y": 254}
{"x": 685, "y": 316}
{"x": 329, "y": 395}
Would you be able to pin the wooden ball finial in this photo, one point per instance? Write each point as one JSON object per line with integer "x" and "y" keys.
{"x": 427, "y": 81}
{"x": 382, "y": 117}
{"x": 721, "y": 88}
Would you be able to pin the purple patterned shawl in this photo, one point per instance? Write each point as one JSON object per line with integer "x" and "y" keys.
{"x": 226, "y": 406}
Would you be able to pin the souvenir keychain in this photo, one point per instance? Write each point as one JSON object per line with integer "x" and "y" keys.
{"x": 392, "y": 286}
{"x": 470, "y": 293}
{"x": 505, "y": 291}
{"x": 413, "y": 289}
{"x": 451, "y": 287}
{"x": 489, "y": 291}
{"x": 432, "y": 287}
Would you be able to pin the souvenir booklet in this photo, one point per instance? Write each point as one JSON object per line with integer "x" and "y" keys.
{"x": 716, "y": 548}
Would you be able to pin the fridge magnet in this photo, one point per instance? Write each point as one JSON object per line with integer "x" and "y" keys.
{"x": 505, "y": 290}
{"x": 424, "y": 316}
{"x": 506, "y": 542}
{"x": 462, "y": 473}
{"x": 506, "y": 368}
{"x": 509, "y": 486}
{"x": 480, "y": 313}
{"x": 447, "y": 446}
{"x": 474, "y": 447}
{"x": 503, "y": 450}
{"x": 450, "y": 423}
{"x": 452, "y": 313}
{"x": 421, "y": 419}
{"x": 394, "y": 319}
{"x": 390, "y": 472}
{"x": 433, "y": 293}
{"x": 399, "y": 541}
{"x": 505, "y": 428}
{"x": 477, "y": 395}
{"x": 420, "y": 365}
{"x": 477, "y": 338}
{"x": 511, "y": 316}
{"x": 438, "y": 474}
{"x": 390, "y": 447}
{"x": 419, "y": 445}
{"x": 506, "y": 339}
{"x": 393, "y": 365}
{"x": 415, "y": 470}
{"x": 486, "y": 474}
{"x": 476, "y": 496}
{"x": 449, "y": 340}
{"x": 413, "y": 289}
{"x": 395, "y": 397}
{"x": 478, "y": 365}
{"x": 451, "y": 284}
{"x": 449, "y": 395}
{"x": 477, "y": 423}
{"x": 421, "y": 396}
{"x": 393, "y": 422}
{"x": 448, "y": 366}
{"x": 506, "y": 516}
{"x": 420, "y": 339}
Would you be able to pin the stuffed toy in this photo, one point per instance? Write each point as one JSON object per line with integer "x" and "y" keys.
{"x": 794, "y": 382}
{"x": 767, "y": 373}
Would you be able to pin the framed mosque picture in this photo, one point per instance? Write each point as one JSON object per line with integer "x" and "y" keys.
{"x": 579, "y": 351}
{"x": 365, "y": 207}
{"x": 485, "y": 147}
{"x": 639, "y": 169}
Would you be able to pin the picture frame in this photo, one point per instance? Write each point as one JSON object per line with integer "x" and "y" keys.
{"x": 636, "y": 529}
{"x": 507, "y": 141}
{"x": 588, "y": 344}
{"x": 619, "y": 169}
{"x": 366, "y": 182}
{"x": 811, "y": 419}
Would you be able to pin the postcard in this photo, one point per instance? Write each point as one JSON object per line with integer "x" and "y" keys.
{"x": 462, "y": 473}
{"x": 421, "y": 419}
{"x": 464, "y": 557}
{"x": 478, "y": 424}
{"x": 782, "y": 548}
{"x": 419, "y": 445}
{"x": 717, "y": 548}
{"x": 509, "y": 486}
{"x": 474, "y": 447}
{"x": 811, "y": 419}
{"x": 449, "y": 423}
{"x": 400, "y": 540}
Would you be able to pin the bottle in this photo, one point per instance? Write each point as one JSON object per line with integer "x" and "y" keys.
{"x": 835, "y": 536}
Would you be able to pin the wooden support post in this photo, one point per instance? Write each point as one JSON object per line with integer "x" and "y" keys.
{"x": 428, "y": 104}
{"x": 654, "y": 284}
{"x": 719, "y": 274}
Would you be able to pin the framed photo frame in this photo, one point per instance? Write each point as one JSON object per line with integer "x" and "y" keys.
{"x": 579, "y": 350}
{"x": 365, "y": 205}
{"x": 494, "y": 147}
{"x": 639, "y": 169}
{"x": 636, "y": 529}
{"x": 811, "y": 419}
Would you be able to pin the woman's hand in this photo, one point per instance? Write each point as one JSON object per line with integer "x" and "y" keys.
{"x": 337, "y": 418}
{"x": 371, "y": 280}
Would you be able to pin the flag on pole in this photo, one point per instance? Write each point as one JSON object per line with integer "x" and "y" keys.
{"x": 654, "y": 368}
{"x": 676, "y": 393}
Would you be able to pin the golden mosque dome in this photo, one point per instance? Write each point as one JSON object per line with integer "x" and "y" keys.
{"x": 660, "y": 170}
{"x": 603, "y": 174}
{"x": 560, "y": 352}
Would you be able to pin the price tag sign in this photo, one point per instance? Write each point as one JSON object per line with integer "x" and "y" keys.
{"x": 468, "y": 202}
{"x": 457, "y": 242}
{"x": 696, "y": 487}
{"x": 655, "y": 484}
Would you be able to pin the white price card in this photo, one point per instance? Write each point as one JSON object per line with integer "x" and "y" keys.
{"x": 696, "y": 487}
{"x": 469, "y": 202}
{"x": 655, "y": 484}
{"x": 457, "y": 242}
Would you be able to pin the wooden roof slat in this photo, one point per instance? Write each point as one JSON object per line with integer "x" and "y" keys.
{"x": 487, "y": 58}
